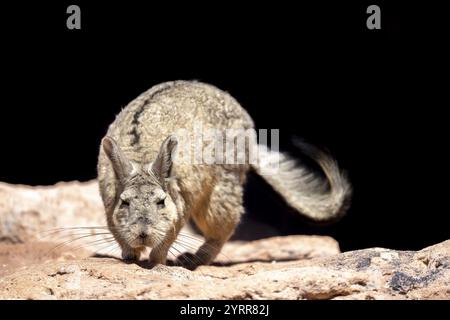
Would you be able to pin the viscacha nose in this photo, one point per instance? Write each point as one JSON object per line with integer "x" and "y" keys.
{"x": 143, "y": 235}
{"x": 143, "y": 220}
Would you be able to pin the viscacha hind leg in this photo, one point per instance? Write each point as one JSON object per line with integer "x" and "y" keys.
{"x": 218, "y": 222}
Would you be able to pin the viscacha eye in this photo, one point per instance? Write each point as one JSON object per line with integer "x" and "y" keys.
{"x": 161, "y": 203}
{"x": 125, "y": 204}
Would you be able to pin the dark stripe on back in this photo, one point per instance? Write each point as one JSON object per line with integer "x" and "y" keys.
{"x": 135, "y": 134}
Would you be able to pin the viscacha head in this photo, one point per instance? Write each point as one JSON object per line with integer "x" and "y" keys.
{"x": 144, "y": 212}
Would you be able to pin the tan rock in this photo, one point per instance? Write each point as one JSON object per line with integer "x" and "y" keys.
{"x": 279, "y": 249}
{"x": 28, "y": 213}
{"x": 292, "y": 267}
{"x": 364, "y": 274}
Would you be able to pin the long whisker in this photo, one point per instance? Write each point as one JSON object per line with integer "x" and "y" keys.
{"x": 69, "y": 229}
{"x": 192, "y": 242}
{"x": 195, "y": 254}
{"x": 191, "y": 236}
{"x": 95, "y": 242}
{"x": 81, "y": 234}
{"x": 201, "y": 247}
{"x": 65, "y": 243}
{"x": 72, "y": 228}
{"x": 71, "y": 240}
{"x": 114, "y": 246}
{"x": 174, "y": 257}
{"x": 184, "y": 256}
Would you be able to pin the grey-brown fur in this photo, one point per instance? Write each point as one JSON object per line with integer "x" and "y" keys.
{"x": 137, "y": 170}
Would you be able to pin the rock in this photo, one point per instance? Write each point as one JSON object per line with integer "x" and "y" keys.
{"x": 28, "y": 213}
{"x": 39, "y": 262}
{"x": 365, "y": 274}
{"x": 21, "y": 255}
{"x": 278, "y": 249}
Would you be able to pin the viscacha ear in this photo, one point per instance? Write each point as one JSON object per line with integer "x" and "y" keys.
{"x": 122, "y": 166}
{"x": 163, "y": 163}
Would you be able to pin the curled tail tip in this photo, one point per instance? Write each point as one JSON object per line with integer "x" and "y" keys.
{"x": 340, "y": 190}
{"x": 321, "y": 200}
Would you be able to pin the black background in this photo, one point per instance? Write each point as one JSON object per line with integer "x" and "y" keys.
{"x": 375, "y": 98}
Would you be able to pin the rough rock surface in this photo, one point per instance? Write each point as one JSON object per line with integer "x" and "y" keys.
{"x": 365, "y": 274}
{"x": 35, "y": 265}
{"x": 28, "y": 213}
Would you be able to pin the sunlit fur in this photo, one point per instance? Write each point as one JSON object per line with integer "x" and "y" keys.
{"x": 135, "y": 166}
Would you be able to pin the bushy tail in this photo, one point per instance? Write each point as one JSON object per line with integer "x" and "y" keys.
{"x": 317, "y": 198}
